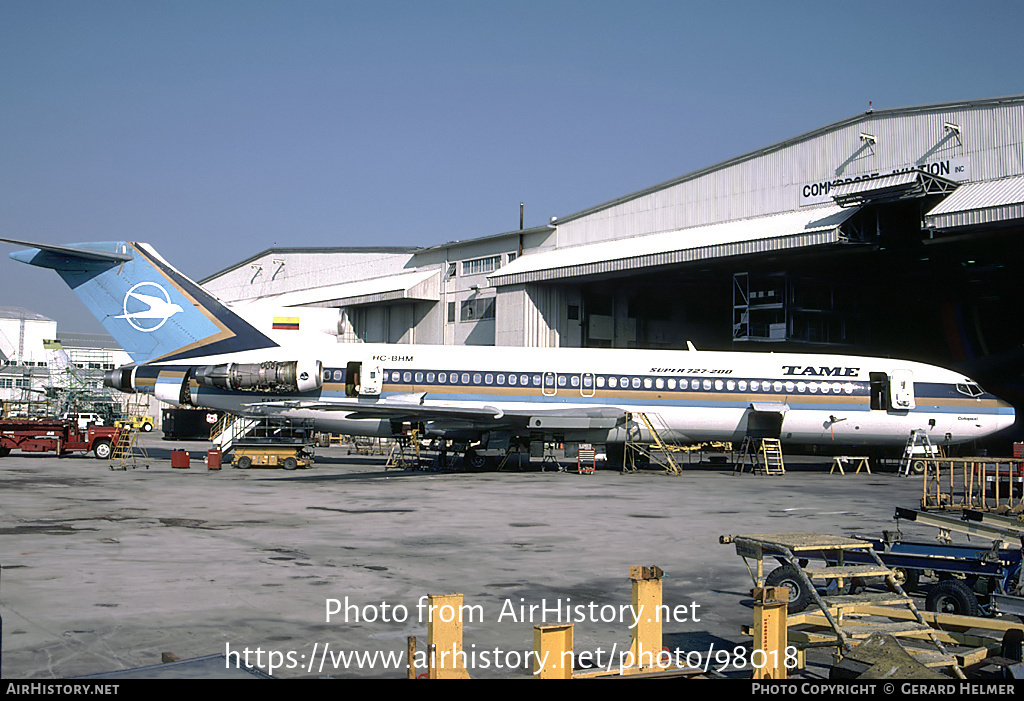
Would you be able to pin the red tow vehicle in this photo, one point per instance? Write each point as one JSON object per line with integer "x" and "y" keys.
{"x": 56, "y": 435}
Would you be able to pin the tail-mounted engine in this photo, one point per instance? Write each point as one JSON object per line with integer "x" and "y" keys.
{"x": 271, "y": 376}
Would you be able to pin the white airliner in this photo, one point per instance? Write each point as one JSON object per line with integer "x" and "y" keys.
{"x": 251, "y": 361}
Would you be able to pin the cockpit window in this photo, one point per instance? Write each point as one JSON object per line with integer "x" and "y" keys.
{"x": 971, "y": 389}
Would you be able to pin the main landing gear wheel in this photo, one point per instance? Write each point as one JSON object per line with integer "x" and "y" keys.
{"x": 476, "y": 461}
{"x": 788, "y": 576}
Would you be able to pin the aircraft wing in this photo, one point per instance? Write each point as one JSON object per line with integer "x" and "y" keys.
{"x": 415, "y": 408}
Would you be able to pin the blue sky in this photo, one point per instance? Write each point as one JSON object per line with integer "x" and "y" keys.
{"x": 215, "y": 129}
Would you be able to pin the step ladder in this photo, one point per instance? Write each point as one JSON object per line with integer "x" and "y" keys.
{"x": 918, "y": 445}
{"x": 122, "y": 452}
{"x": 662, "y": 452}
{"x": 405, "y": 452}
{"x": 764, "y": 454}
{"x": 846, "y": 618}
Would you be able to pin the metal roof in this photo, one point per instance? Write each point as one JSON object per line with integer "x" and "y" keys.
{"x": 807, "y": 227}
{"x": 420, "y": 284}
{"x": 807, "y": 136}
{"x": 979, "y": 203}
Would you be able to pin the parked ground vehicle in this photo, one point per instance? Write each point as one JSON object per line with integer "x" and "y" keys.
{"x": 139, "y": 423}
{"x": 85, "y": 418}
{"x": 62, "y": 436}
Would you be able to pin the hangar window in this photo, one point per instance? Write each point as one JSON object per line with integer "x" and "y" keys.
{"x": 479, "y": 266}
{"x": 474, "y": 309}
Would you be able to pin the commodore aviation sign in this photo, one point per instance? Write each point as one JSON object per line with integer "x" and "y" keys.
{"x": 147, "y": 306}
{"x": 956, "y": 169}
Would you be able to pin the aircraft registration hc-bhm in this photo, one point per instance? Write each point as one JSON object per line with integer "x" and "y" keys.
{"x": 189, "y": 349}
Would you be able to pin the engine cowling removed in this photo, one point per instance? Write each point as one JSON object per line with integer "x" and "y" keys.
{"x": 270, "y": 376}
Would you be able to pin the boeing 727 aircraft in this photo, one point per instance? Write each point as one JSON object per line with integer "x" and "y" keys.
{"x": 192, "y": 350}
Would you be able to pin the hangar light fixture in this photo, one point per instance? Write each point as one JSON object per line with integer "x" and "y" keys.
{"x": 955, "y": 129}
{"x": 870, "y": 140}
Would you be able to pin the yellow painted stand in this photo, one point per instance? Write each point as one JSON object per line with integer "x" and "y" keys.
{"x": 444, "y": 637}
{"x": 770, "y": 630}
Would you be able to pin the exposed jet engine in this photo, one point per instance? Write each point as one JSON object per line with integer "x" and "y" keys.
{"x": 271, "y": 376}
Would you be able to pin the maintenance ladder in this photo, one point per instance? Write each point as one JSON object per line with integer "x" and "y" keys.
{"x": 765, "y": 459}
{"x": 122, "y": 453}
{"x": 661, "y": 446}
{"x": 846, "y": 615}
{"x": 918, "y": 445}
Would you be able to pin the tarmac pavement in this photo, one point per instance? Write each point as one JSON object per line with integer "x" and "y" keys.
{"x": 106, "y": 570}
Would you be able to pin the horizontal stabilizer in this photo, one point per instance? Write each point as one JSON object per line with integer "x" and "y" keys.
{"x": 32, "y": 257}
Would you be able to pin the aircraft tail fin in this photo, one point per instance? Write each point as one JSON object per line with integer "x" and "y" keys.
{"x": 151, "y": 309}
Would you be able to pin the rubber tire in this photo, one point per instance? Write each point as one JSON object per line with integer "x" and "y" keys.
{"x": 4, "y": 452}
{"x": 952, "y": 596}
{"x": 147, "y": 427}
{"x": 243, "y": 463}
{"x": 917, "y": 467}
{"x": 102, "y": 449}
{"x": 290, "y": 463}
{"x": 476, "y": 462}
{"x": 786, "y": 576}
{"x": 911, "y": 578}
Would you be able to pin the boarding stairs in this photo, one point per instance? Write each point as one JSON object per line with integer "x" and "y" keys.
{"x": 658, "y": 450}
{"x": 846, "y": 619}
{"x": 229, "y": 429}
{"x": 764, "y": 454}
{"x": 918, "y": 445}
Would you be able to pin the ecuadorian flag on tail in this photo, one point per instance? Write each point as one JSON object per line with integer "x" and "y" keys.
{"x": 286, "y": 323}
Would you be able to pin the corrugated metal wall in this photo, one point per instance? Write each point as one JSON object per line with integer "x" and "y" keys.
{"x": 990, "y": 146}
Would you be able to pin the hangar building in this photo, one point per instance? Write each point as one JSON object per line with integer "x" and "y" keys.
{"x": 894, "y": 231}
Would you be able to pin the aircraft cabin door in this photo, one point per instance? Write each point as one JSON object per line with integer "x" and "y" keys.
{"x": 549, "y": 384}
{"x": 363, "y": 378}
{"x": 901, "y": 390}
